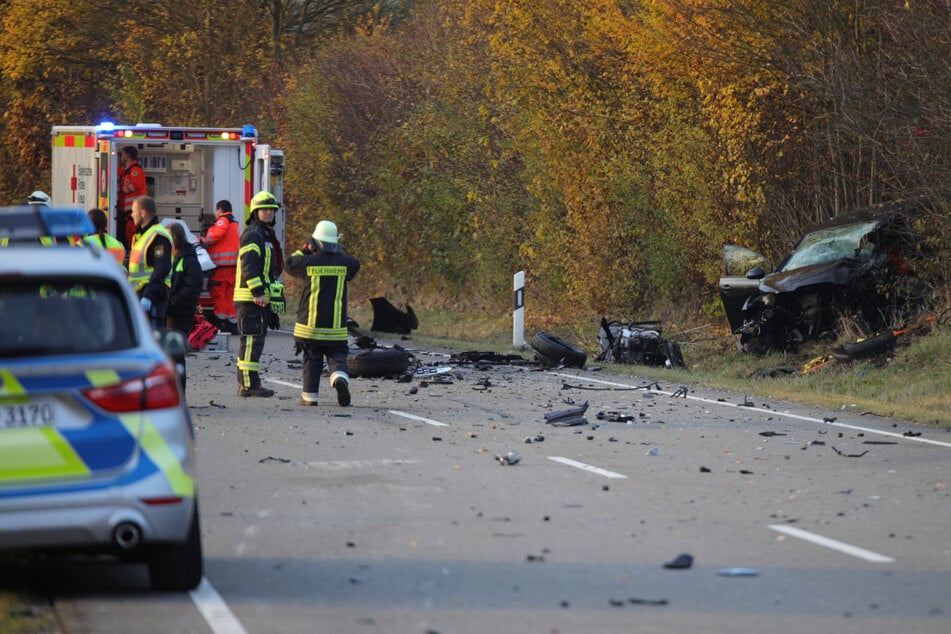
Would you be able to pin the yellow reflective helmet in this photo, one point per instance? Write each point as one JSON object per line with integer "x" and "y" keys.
{"x": 262, "y": 200}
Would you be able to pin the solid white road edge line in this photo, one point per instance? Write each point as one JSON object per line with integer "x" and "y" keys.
{"x": 428, "y": 421}
{"x": 217, "y": 614}
{"x": 842, "y": 547}
{"x": 769, "y": 411}
{"x": 586, "y": 467}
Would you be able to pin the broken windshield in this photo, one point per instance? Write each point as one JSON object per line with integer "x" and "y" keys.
{"x": 835, "y": 243}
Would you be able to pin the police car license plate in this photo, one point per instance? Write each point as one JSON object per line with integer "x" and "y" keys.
{"x": 36, "y": 413}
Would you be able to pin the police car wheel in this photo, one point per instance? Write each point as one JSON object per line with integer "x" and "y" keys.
{"x": 177, "y": 567}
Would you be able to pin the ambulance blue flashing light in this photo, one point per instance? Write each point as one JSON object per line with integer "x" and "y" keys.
{"x": 249, "y": 132}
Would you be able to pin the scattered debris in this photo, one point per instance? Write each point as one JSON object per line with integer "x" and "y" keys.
{"x": 480, "y": 359}
{"x": 615, "y": 417}
{"x": 568, "y": 417}
{"x": 273, "y": 459}
{"x": 770, "y": 434}
{"x": 430, "y": 372}
{"x": 511, "y": 458}
{"x": 681, "y": 562}
{"x": 653, "y": 451}
{"x": 705, "y": 470}
{"x": 850, "y": 455}
{"x": 912, "y": 434}
{"x": 772, "y": 373}
{"x": 681, "y": 391}
{"x": 738, "y": 572}
{"x": 538, "y": 438}
{"x": 636, "y": 601}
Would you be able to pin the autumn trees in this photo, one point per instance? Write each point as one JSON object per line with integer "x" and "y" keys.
{"x": 608, "y": 147}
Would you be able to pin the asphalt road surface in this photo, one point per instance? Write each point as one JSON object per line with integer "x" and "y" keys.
{"x": 398, "y": 514}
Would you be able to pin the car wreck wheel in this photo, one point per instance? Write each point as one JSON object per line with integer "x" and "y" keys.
{"x": 379, "y": 362}
{"x": 554, "y": 350}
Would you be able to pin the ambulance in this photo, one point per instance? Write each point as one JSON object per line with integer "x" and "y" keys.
{"x": 187, "y": 169}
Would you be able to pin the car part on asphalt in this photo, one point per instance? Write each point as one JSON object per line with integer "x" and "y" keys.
{"x": 552, "y": 350}
{"x": 568, "y": 417}
{"x": 379, "y": 362}
{"x": 858, "y": 267}
{"x": 388, "y": 318}
{"x": 510, "y": 458}
{"x": 681, "y": 562}
{"x": 636, "y": 343}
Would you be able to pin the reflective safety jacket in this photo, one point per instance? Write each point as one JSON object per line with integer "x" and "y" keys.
{"x": 222, "y": 241}
{"x": 108, "y": 243}
{"x": 322, "y": 313}
{"x": 256, "y": 268}
{"x": 150, "y": 261}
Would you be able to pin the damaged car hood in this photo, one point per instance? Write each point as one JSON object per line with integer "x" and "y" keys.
{"x": 834, "y": 272}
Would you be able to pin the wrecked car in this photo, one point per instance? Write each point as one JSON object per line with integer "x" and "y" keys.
{"x": 858, "y": 267}
{"x": 638, "y": 343}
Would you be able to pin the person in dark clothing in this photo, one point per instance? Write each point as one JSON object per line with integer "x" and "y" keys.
{"x": 321, "y": 327}
{"x": 187, "y": 280}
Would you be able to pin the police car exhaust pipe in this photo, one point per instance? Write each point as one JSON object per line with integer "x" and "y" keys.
{"x": 127, "y": 536}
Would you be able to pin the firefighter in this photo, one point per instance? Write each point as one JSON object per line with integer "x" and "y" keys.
{"x": 257, "y": 271}
{"x": 222, "y": 242}
{"x": 321, "y": 327}
{"x": 131, "y": 185}
{"x": 150, "y": 261}
{"x": 102, "y": 238}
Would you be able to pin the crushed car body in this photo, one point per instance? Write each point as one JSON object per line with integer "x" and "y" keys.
{"x": 859, "y": 266}
{"x": 638, "y": 343}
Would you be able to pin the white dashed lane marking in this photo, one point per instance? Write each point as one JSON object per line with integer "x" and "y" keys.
{"x": 586, "y": 467}
{"x": 842, "y": 547}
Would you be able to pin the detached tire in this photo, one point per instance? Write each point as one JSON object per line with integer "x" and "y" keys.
{"x": 675, "y": 355}
{"x": 870, "y": 347}
{"x": 379, "y": 362}
{"x": 553, "y": 350}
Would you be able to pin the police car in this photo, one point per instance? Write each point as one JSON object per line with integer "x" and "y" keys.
{"x": 96, "y": 443}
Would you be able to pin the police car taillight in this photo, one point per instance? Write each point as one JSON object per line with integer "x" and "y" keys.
{"x": 156, "y": 390}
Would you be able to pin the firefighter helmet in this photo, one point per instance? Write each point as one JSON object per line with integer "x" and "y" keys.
{"x": 325, "y": 234}
{"x": 262, "y": 200}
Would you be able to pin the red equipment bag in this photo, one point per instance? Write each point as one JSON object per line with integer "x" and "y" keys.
{"x": 203, "y": 332}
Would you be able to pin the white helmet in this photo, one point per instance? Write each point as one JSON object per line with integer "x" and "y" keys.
{"x": 39, "y": 198}
{"x": 325, "y": 234}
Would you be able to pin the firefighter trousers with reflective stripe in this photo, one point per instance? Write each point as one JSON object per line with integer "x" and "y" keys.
{"x": 249, "y": 353}
{"x": 314, "y": 352}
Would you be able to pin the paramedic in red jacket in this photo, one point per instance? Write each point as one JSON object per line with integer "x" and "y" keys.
{"x": 222, "y": 242}
{"x": 131, "y": 185}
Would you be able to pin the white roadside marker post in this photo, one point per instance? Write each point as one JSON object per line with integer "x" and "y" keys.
{"x": 518, "y": 312}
